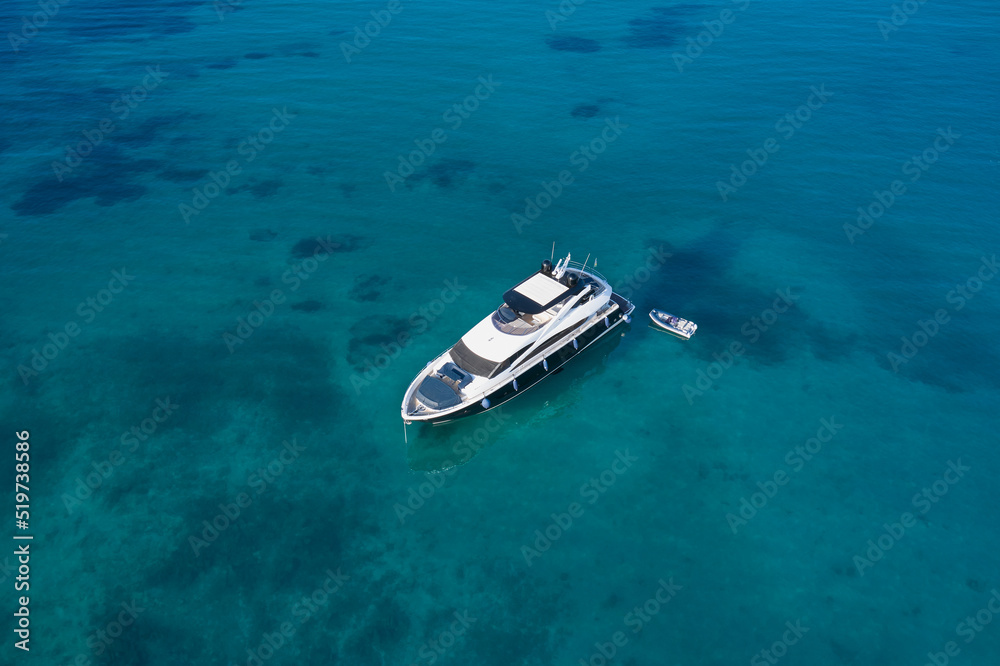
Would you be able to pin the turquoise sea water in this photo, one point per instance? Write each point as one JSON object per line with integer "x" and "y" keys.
{"x": 218, "y": 470}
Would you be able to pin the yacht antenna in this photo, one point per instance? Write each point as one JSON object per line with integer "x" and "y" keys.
{"x": 553, "y": 257}
{"x": 585, "y": 262}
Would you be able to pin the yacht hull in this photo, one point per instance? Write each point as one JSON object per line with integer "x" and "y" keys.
{"x": 534, "y": 374}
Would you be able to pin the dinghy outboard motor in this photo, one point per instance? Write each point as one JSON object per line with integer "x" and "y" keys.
{"x": 547, "y": 267}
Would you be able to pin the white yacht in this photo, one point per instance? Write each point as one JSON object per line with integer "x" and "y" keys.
{"x": 543, "y": 322}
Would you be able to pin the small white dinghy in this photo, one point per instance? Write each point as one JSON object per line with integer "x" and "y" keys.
{"x": 682, "y": 328}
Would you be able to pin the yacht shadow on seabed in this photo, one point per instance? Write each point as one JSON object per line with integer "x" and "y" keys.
{"x": 436, "y": 448}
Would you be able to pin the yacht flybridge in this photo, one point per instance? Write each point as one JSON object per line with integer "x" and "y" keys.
{"x": 543, "y": 322}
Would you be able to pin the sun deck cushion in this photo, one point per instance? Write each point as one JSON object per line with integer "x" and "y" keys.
{"x": 436, "y": 394}
{"x": 538, "y": 293}
{"x": 455, "y": 374}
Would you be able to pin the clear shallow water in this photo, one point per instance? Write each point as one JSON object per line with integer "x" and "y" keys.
{"x": 343, "y": 502}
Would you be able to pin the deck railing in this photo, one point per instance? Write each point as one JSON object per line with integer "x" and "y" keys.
{"x": 576, "y": 265}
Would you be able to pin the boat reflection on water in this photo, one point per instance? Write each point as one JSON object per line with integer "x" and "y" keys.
{"x": 436, "y": 448}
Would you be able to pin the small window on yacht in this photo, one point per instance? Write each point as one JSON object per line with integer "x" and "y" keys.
{"x": 503, "y": 365}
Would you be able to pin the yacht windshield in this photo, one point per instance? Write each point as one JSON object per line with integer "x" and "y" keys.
{"x": 470, "y": 361}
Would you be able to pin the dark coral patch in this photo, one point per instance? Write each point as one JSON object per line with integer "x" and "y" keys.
{"x": 308, "y": 247}
{"x": 259, "y": 190}
{"x": 445, "y": 173}
{"x": 370, "y": 335}
{"x": 572, "y": 44}
{"x": 265, "y": 188}
{"x": 107, "y": 175}
{"x": 110, "y": 20}
{"x": 304, "y": 49}
{"x": 186, "y": 70}
{"x": 307, "y": 306}
{"x": 150, "y": 129}
{"x": 383, "y": 633}
{"x": 366, "y": 287}
{"x": 263, "y": 235}
{"x": 662, "y": 29}
{"x": 585, "y": 111}
{"x": 226, "y": 63}
{"x": 183, "y": 175}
